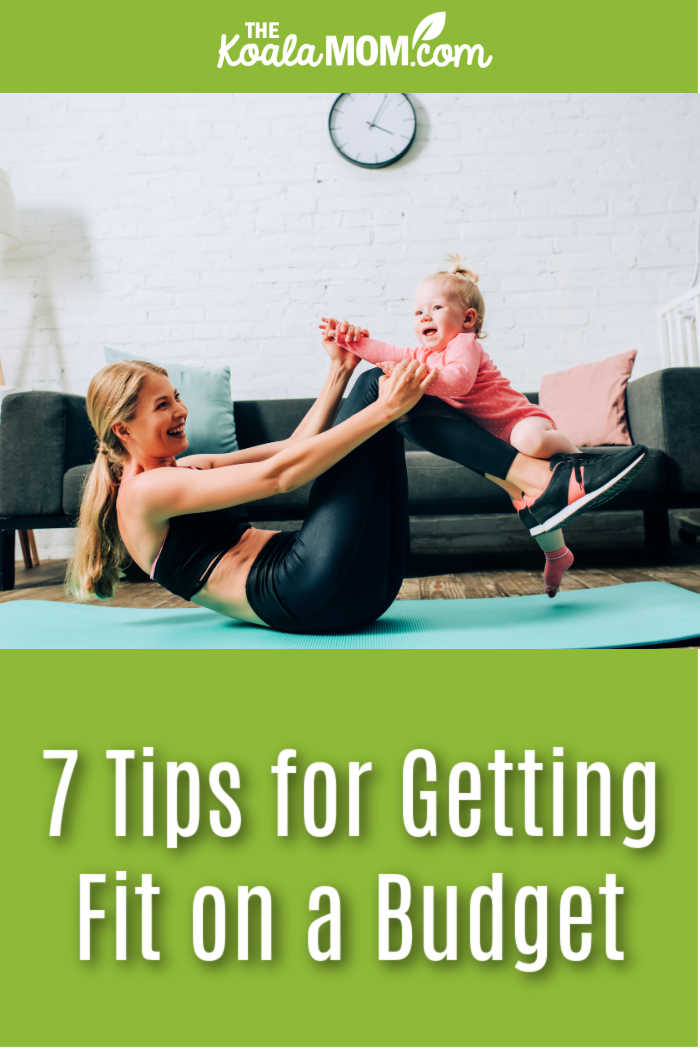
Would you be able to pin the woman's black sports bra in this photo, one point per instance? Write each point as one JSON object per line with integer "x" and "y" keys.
{"x": 193, "y": 546}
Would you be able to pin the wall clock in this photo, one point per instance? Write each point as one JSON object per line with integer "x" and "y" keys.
{"x": 372, "y": 130}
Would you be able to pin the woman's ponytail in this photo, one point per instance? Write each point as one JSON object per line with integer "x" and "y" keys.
{"x": 99, "y": 551}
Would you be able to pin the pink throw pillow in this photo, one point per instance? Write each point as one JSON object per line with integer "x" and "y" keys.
{"x": 588, "y": 402}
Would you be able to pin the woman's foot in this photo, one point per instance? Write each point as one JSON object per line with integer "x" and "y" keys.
{"x": 556, "y": 564}
{"x": 578, "y": 481}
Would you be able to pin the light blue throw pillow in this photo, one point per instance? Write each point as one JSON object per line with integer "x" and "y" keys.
{"x": 207, "y": 393}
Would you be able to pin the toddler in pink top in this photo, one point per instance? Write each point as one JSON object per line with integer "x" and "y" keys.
{"x": 448, "y": 318}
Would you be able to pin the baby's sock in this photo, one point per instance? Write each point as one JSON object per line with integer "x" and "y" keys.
{"x": 555, "y": 565}
{"x": 558, "y": 558}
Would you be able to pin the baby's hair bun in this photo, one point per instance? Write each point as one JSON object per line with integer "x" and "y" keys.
{"x": 455, "y": 266}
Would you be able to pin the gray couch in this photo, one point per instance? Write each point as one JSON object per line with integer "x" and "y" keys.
{"x": 47, "y": 444}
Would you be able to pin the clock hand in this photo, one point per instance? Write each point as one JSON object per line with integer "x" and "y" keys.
{"x": 371, "y": 122}
{"x": 379, "y": 128}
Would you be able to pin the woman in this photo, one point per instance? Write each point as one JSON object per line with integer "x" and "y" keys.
{"x": 177, "y": 518}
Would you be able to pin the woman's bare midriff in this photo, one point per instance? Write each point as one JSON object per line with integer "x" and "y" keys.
{"x": 224, "y": 591}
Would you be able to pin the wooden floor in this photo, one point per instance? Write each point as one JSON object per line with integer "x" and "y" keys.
{"x": 490, "y": 559}
{"x": 45, "y": 582}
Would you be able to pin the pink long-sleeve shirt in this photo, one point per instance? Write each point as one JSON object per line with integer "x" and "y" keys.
{"x": 466, "y": 378}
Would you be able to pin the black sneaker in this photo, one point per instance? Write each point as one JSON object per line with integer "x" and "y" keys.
{"x": 580, "y": 480}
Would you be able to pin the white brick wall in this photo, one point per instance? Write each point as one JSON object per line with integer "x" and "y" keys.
{"x": 220, "y": 227}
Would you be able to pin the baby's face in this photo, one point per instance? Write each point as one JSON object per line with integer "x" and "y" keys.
{"x": 438, "y": 315}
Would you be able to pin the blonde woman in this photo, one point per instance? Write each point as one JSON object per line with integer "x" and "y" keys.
{"x": 178, "y": 518}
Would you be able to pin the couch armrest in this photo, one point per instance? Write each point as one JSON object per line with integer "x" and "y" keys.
{"x": 664, "y": 412}
{"x": 42, "y": 434}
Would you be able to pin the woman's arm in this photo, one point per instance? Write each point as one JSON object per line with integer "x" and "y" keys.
{"x": 254, "y": 454}
{"x": 325, "y": 408}
{"x": 166, "y": 493}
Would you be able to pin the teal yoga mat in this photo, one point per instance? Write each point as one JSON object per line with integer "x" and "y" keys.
{"x": 631, "y": 614}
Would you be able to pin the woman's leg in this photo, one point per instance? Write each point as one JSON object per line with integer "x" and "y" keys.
{"x": 345, "y": 566}
{"x": 439, "y": 428}
{"x": 546, "y": 493}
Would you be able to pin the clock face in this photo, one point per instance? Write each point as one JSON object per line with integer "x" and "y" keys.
{"x": 372, "y": 130}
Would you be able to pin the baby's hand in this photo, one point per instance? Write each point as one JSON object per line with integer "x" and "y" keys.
{"x": 342, "y": 332}
{"x": 337, "y": 341}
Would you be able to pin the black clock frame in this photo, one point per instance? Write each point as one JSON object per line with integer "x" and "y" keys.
{"x": 373, "y": 164}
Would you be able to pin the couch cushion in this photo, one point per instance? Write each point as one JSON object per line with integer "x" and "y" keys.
{"x": 663, "y": 413}
{"x": 437, "y": 485}
{"x": 258, "y": 422}
{"x": 588, "y": 402}
{"x": 32, "y": 452}
{"x": 73, "y": 481}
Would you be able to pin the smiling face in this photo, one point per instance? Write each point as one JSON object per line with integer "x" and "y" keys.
{"x": 156, "y": 431}
{"x": 438, "y": 314}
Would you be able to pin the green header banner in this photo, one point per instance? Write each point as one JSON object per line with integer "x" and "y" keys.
{"x": 328, "y": 848}
{"x": 308, "y": 46}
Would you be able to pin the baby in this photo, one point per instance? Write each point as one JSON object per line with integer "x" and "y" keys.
{"x": 448, "y": 317}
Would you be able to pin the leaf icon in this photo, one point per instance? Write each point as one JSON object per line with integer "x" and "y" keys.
{"x": 430, "y": 27}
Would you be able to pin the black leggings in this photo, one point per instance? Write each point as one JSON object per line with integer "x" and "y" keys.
{"x": 344, "y": 567}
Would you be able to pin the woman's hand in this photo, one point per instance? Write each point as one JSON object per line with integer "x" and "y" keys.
{"x": 337, "y": 339}
{"x": 404, "y": 386}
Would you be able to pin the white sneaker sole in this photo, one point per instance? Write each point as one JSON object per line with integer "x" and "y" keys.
{"x": 599, "y": 495}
